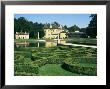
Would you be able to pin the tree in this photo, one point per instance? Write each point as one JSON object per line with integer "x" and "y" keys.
{"x": 65, "y": 27}
{"x": 56, "y": 23}
{"x": 21, "y": 24}
{"x": 83, "y": 30}
{"x": 92, "y": 27}
{"x": 73, "y": 28}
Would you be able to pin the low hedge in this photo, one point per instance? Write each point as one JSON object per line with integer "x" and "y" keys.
{"x": 24, "y": 66}
{"x": 23, "y": 53}
{"x": 40, "y": 62}
{"x": 27, "y": 68}
{"x": 48, "y": 60}
{"x": 90, "y": 60}
{"x": 81, "y": 68}
{"x": 53, "y": 60}
{"x": 24, "y": 74}
{"x": 21, "y": 59}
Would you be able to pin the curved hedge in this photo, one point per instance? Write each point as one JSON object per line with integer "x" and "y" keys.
{"x": 24, "y": 66}
{"x": 81, "y": 68}
{"x": 49, "y": 60}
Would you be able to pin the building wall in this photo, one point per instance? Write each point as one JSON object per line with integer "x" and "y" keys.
{"x": 63, "y": 35}
{"x": 54, "y": 33}
{"x": 22, "y": 36}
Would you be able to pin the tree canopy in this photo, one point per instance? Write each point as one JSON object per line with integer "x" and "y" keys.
{"x": 73, "y": 28}
{"x": 21, "y": 24}
{"x": 92, "y": 27}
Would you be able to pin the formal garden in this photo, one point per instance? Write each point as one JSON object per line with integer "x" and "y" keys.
{"x": 55, "y": 61}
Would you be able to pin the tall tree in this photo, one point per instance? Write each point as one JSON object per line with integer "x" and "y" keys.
{"x": 92, "y": 27}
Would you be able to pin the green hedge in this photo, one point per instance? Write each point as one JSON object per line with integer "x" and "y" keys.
{"x": 40, "y": 62}
{"x": 24, "y": 66}
{"x": 24, "y": 74}
{"x": 23, "y": 53}
{"x": 81, "y": 68}
{"x": 53, "y": 60}
{"x": 86, "y": 41}
{"x": 21, "y": 59}
{"x": 48, "y": 60}
{"x": 92, "y": 60}
{"x": 27, "y": 68}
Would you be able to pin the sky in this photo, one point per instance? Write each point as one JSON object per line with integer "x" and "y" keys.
{"x": 81, "y": 20}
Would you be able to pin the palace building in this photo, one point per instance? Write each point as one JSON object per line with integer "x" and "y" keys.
{"x": 53, "y": 31}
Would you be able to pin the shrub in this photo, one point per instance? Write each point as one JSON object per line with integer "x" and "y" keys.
{"x": 27, "y": 68}
{"x": 23, "y": 53}
{"x": 24, "y": 74}
{"x": 54, "y": 60}
{"x": 92, "y": 60}
{"x": 81, "y": 68}
{"x": 40, "y": 62}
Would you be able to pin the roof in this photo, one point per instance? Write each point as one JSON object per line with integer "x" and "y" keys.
{"x": 52, "y": 26}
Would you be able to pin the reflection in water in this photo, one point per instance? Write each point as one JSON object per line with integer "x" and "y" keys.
{"x": 62, "y": 41}
{"x": 38, "y": 44}
{"x": 50, "y": 44}
{"x": 54, "y": 43}
{"x": 21, "y": 44}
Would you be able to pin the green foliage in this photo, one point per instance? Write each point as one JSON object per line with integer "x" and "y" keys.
{"x": 24, "y": 74}
{"x": 76, "y": 60}
{"x": 85, "y": 41}
{"x": 82, "y": 61}
{"x": 81, "y": 68}
{"x": 40, "y": 62}
{"x": 27, "y": 68}
{"x": 92, "y": 27}
{"x": 23, "y": 65}
{"x": 54, "y": 60}
{"x": 21, "y": 24}
{"x": 23, "y": 53}
{"x": 73, "y": 28}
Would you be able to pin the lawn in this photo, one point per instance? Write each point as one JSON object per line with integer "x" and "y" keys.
{"x": 85, "y": 41}
{"x": 55, "y": 70}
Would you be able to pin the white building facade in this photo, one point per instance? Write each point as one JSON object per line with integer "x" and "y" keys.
{"x": 22, "y": 35}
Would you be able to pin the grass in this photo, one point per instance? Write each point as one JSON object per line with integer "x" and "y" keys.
{"x": 55, "y": 70}
{"x": 85, "y": 41}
